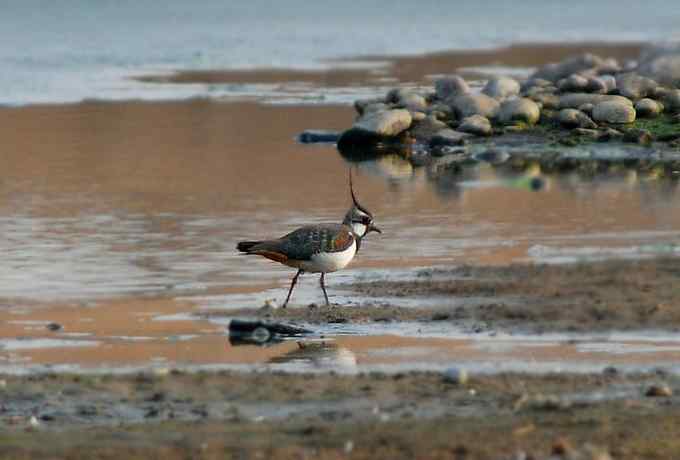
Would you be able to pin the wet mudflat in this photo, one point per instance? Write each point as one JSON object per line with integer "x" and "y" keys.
{"x": 581, "y": 297}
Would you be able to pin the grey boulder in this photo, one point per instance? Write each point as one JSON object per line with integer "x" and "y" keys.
{"x": 576, "y": 64}
{"x": 648, "y": 108}
{"x": 662, "y": 63}
{"x": 523, "y": 109}
{"x": 476, "y": 124}
{"x": 501, "y": 87}
{"x": 385, "y": 123}
{"x": 363, "y": 105}
{"x": 573, "y": 83}
{"x": 575, "y": 100}
{"x": 428, "y": 127}
{"x": 572, "y": 118}
{"x": 449, "y": 87}
{"x": 613, "y": 111}
{"x": 634, "y": 86}
{"x": 475, "y": 104}
{"x": 407, "y": 99}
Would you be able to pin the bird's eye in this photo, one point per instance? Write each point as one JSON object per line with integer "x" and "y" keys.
{"x": 365, "y": 220}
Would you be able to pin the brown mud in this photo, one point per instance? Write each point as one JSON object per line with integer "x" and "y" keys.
{"x": 619, "y": 295}
{"x": 284, "y": 416}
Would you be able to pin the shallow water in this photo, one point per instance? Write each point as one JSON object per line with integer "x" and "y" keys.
{"x": 80, "y": 50}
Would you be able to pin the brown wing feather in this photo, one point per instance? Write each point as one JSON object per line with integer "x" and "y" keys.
{"x": 271, "y": 255}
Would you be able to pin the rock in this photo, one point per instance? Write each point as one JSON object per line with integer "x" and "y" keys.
{"x": 576, "y": 64}
{"x": 418, "y": 116}
{"x": 572, "y": 118}
{"x": 360, "y": 105}
{"x": 407, "y": 99}
{"x": 661, "y": 390}
{"x": 316, "y": 136}
{"x": 598, "y": 85}
{"x": 448, "y": 137}
{"x": 634, "y": 86}
{"x": 662, "y": 63}
{"x": 609, "y": 82}
{"x": 54, "y": 327}
{"x": 589, "y": 133}
{"x": 523, "y": 109}
{"x": 387, "y": 123}
{"x": 33, "y": 423}
{"x": 671, "y": 101}
{"x": 475, "y": 104}
{"x": 562, "y": 447}
{"x": 587, "y": 108}
{"x": 638, "y": 136}
{"x": 501, "y": 88}
{"x": 609, "y": 66}
{"x": 575, "y": 100}
{"x": 455, "y": 376}
{"x": 609, "y": 134}
{"x": 428, "y": 127}
{"x": 648, "y": 108}
{"x": 269, "y": 304}
{"x": 613, "y": 111}
{"x": 573, "y": 83}
{"x": 448, "y": 87}
{"x": 547, "y": 100}
{"x": 476, "y": 124}
{"x": 535, "y": 83}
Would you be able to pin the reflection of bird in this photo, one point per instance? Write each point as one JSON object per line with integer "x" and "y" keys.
{"x": 322, "y": 248}
{"x": 320, "y": 355}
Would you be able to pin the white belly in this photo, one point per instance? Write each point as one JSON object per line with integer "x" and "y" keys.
{"x": 330, "y": 261}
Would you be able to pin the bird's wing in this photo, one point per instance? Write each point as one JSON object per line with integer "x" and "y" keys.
{"x": 304, "y": 242}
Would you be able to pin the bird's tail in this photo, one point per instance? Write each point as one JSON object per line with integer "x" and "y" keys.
{"x": 246, "y": 246}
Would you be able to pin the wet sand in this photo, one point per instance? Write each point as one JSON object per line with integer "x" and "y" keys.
{"x": 413, "y": 415}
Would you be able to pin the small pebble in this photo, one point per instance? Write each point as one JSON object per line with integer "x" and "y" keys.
{"x": 54, "y": 327}
{"x": 662, "y": 390}
{"x": 349, "y": 446}
{"x": 456, "y": 376}
{"x": 270, "y": 304}
{"x": 561, "y": 447}
{"x": 33, "y": 422}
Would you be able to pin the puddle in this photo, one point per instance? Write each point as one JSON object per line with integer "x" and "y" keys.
{"x": 343, "y": 348}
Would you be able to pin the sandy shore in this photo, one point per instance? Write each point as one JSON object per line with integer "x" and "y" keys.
{"x": 410, "y": 68}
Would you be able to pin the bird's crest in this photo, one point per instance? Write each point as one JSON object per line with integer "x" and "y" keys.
{"x": 354, "y": 198}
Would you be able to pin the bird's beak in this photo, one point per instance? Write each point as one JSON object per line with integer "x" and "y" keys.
{"x": 373, "y": 228}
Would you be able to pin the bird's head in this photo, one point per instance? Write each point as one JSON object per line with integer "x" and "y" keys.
{"x": 358, "y": 218}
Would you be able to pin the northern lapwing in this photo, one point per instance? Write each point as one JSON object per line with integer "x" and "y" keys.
{"x": 322, "y": 248}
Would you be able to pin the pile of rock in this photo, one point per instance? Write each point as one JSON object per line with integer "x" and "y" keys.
{"x": 593, "y": 96}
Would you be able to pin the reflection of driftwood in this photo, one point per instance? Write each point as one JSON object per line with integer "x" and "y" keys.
{"x": 320, "y": 355}
{"x": 242, "y": 332}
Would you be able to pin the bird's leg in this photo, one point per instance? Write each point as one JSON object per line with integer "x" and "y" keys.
{"x": 323, "y": 287}
{"x": 292, "y": 285}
